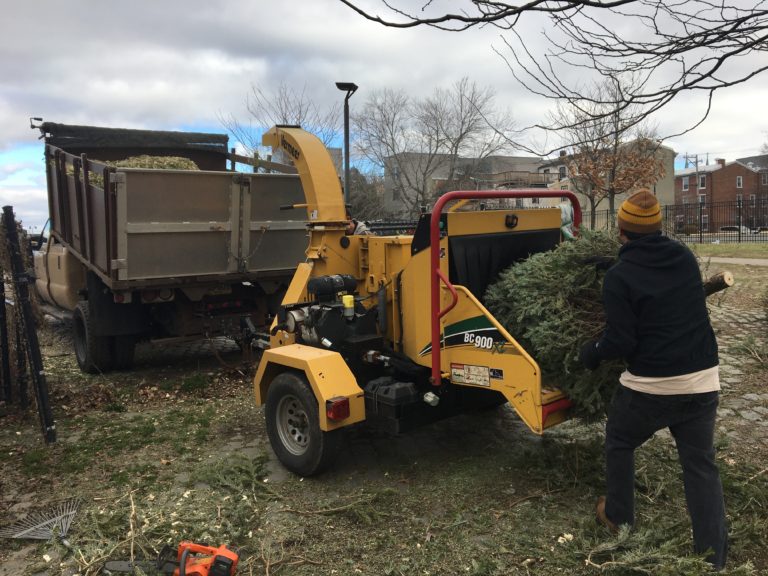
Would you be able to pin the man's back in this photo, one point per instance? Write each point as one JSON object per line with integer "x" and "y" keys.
{"x": 656, "y": 311}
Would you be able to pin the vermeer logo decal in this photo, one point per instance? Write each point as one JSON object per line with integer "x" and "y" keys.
{"x": 290, "y": 148}
{"x": 478, "y": 332}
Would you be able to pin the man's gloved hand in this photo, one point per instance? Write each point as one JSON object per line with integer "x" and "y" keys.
{"x": 589, "y": 356}
{"x": 599, "y": 262}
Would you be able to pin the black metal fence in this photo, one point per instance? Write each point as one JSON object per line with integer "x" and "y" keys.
{"x": 705, "y": 223}
{"x": 715, "y": 222}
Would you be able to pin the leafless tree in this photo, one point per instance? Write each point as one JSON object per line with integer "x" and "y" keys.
{"x": 428, "y": 146}
{"x": 367, "y": 202}
{"x": 612, "y": 152}
{"x": 672, "y": 48}
{"x": 285, "y": 105}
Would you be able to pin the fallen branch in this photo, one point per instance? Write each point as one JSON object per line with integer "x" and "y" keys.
{"x": 325, "y": 511}
{"x": 763, "y": 471}
{"x": 526, "y": 498}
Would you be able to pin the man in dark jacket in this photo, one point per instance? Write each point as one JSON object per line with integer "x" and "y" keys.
{"x": 657, "y": 321}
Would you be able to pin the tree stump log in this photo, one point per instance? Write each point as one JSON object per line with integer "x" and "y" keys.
{"x": 718, "y": 282}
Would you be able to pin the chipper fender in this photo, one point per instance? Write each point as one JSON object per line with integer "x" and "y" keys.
{"x": 326, "y": 372}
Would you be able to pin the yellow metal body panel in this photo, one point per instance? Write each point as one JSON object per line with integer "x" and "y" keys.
{"x": 496, "y": 353}
{"x": 386, "y": 258}
{"x": 493, "y": 221}
{"x": 327, "y": 373}
{"x": 297, "y": 292}
{"x": 322, "y": 189}
{"x": 479, "y": 352}
{"x": 415, "y": 304}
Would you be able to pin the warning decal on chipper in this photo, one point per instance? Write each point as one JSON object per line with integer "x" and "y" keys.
{"x": 469, "y": 374}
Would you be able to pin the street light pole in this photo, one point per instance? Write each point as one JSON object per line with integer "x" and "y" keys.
{"x": 349, "y": 88}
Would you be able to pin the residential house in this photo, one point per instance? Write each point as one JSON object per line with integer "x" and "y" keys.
{"x": 760, "y": 162}
{"x": 663, "y": 188}
{"x": 722, "y": 194}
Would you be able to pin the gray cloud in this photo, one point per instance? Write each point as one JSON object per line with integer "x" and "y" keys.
{"x": 173, "y": 63}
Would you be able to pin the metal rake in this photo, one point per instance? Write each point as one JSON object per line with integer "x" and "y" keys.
{"x": 45, "y": 525}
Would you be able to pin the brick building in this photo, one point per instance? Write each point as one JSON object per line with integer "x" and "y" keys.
{"x": 722, "y": 194}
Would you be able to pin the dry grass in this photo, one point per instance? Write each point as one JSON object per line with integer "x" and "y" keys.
{"x": 157, "y": 460}
{"x": 743, "y": 250}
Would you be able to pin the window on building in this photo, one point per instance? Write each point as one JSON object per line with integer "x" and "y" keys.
{"x": 685, "y": 183}
{"x": 753, "y": 200}
{"x": 764, "y": 178}
{"x": 561, "y": 172}
{"x": 738, "y": 199}
{"x": 739, "y": 182}
{"x": 685, "y": 200}
{"x": 702, "y": 181}
{"x": 702, "y": 198}
{"x": 705, "y": 222}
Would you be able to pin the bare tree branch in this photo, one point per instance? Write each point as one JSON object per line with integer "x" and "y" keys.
{"x": 669, "y": 49}
{"x": 429, "y": 146}
{"x": 284, "y": 105}
{"x": 612, "y": 153}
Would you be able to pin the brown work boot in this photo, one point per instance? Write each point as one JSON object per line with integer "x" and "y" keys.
{"x": 602, "y": 518}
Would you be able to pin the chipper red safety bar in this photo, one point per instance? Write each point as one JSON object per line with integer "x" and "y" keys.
{"x": 437, "y": 276}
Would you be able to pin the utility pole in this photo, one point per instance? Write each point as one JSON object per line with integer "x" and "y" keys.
{"x": 694, "y": 159}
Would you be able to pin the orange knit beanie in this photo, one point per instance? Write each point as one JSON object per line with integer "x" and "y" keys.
{"x": 640, "y": 213}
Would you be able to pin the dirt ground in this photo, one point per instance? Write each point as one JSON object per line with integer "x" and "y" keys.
{"x": 176, "y": 449}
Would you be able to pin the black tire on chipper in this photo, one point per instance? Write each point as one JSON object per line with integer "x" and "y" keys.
{"x": 293, "y": 426}
{"x": 93, "y": 351}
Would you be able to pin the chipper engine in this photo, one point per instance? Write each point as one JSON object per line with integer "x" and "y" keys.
{"x": 392, "y": 329}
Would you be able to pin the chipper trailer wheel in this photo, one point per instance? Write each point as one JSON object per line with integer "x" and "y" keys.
{"x": 293, "y": 426}
{"x": 92, "y": 351}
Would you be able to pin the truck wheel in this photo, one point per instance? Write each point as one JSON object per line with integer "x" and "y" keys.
{"x": 91, "y": 350}
{"x": 293, "y": 426}
{"x": 123, "y": 348}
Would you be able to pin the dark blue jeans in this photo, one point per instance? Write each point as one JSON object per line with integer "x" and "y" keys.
{"x": 633, "y": 418}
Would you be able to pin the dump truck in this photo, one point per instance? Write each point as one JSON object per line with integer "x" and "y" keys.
{"x": 137, "y": 254}
{"x": 392, "y": 330}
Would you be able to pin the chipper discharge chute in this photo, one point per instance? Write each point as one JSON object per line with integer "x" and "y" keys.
{"x": 392, "y": 330}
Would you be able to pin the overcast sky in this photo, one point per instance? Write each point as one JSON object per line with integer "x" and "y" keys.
{"x": 179, "y": 65}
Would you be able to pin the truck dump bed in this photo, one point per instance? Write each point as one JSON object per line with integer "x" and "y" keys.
{"x": 140, "y": 227}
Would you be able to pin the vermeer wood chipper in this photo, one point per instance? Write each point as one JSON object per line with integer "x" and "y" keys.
{"x": 392, "y": 329}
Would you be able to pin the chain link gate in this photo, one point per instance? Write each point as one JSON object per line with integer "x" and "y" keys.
{"x": 17, "y": 319}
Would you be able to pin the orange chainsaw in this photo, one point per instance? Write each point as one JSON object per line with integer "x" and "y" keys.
{"x": 189, "y": 560}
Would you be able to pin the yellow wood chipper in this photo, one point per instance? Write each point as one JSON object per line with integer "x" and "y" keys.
{"x": 392, "y": 330}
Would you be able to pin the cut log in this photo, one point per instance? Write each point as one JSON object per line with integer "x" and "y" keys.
{"x": 718, "y": 282}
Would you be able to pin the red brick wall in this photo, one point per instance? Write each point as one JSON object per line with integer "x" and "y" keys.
{"x": 692, "y": 194}
{"x": 724, "y": 183}
{"x": 721, "y": 185}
